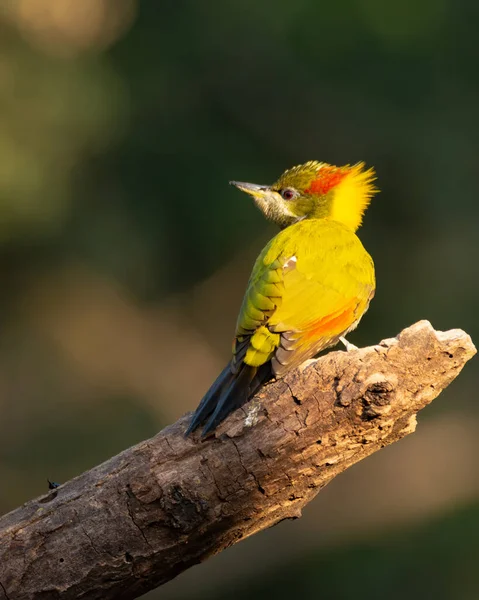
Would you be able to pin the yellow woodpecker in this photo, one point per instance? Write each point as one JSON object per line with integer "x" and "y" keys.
{"x": 310, "y": 285}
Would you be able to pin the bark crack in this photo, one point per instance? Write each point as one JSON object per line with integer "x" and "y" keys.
{"x": 129, "y": 496}
{"x": 296, "y": 400}
{"x": 249, "y": 472}
{"x": 7, "y": 597}
{"x": 90, "y": 540}
{"x": 211, "y": 472}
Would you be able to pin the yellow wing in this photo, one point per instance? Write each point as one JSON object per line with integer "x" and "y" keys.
{"x": 310, "y": 285}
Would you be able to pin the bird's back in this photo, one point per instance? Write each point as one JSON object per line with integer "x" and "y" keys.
{"x": 320, "y": 280}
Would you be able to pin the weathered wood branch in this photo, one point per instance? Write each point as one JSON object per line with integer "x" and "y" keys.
{"x": 146, "y": 515}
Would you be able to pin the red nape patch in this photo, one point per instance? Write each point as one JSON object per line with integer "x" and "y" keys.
{"x": 328, "y": 178}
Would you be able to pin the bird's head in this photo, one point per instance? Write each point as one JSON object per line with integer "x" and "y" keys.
{"x": 315, "y": 190}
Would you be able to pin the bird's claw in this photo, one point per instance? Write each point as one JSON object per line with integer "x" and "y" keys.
{"x": 347, "y": 344}
{"x": 307, "y": 363}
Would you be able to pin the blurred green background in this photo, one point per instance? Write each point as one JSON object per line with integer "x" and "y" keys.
{"x": 124, "y": 253}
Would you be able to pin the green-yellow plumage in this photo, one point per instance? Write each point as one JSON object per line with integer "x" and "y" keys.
{"x": 309, "y": 286}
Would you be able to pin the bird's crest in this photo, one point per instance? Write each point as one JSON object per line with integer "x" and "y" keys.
{"x": 300, "y": 176}
{"x": 351, "y": 187}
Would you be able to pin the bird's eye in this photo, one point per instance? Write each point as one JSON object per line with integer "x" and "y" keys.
{"x": 287, "y": 194}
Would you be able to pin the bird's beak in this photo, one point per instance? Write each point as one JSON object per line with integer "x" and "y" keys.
{"x": 253, "y": 189}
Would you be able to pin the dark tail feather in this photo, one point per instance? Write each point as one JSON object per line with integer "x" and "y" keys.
{"x": 263, "y": 374}
{"x": 210, "y": 399}
{"x": 234, "y": 396}
{"x": 229, "y": 392}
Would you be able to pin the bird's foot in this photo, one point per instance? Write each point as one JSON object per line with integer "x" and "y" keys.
{"x": 347, "y": 344}
{"x": 307, "y": 363}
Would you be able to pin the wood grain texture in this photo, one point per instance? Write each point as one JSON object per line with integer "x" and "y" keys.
{"x": 156, "y": 509}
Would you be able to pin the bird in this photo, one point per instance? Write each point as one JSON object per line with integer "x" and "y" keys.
{"x": 309, "y": 286}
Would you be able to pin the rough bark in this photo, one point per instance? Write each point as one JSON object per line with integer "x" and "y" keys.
{"x": 146, "y": 515}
